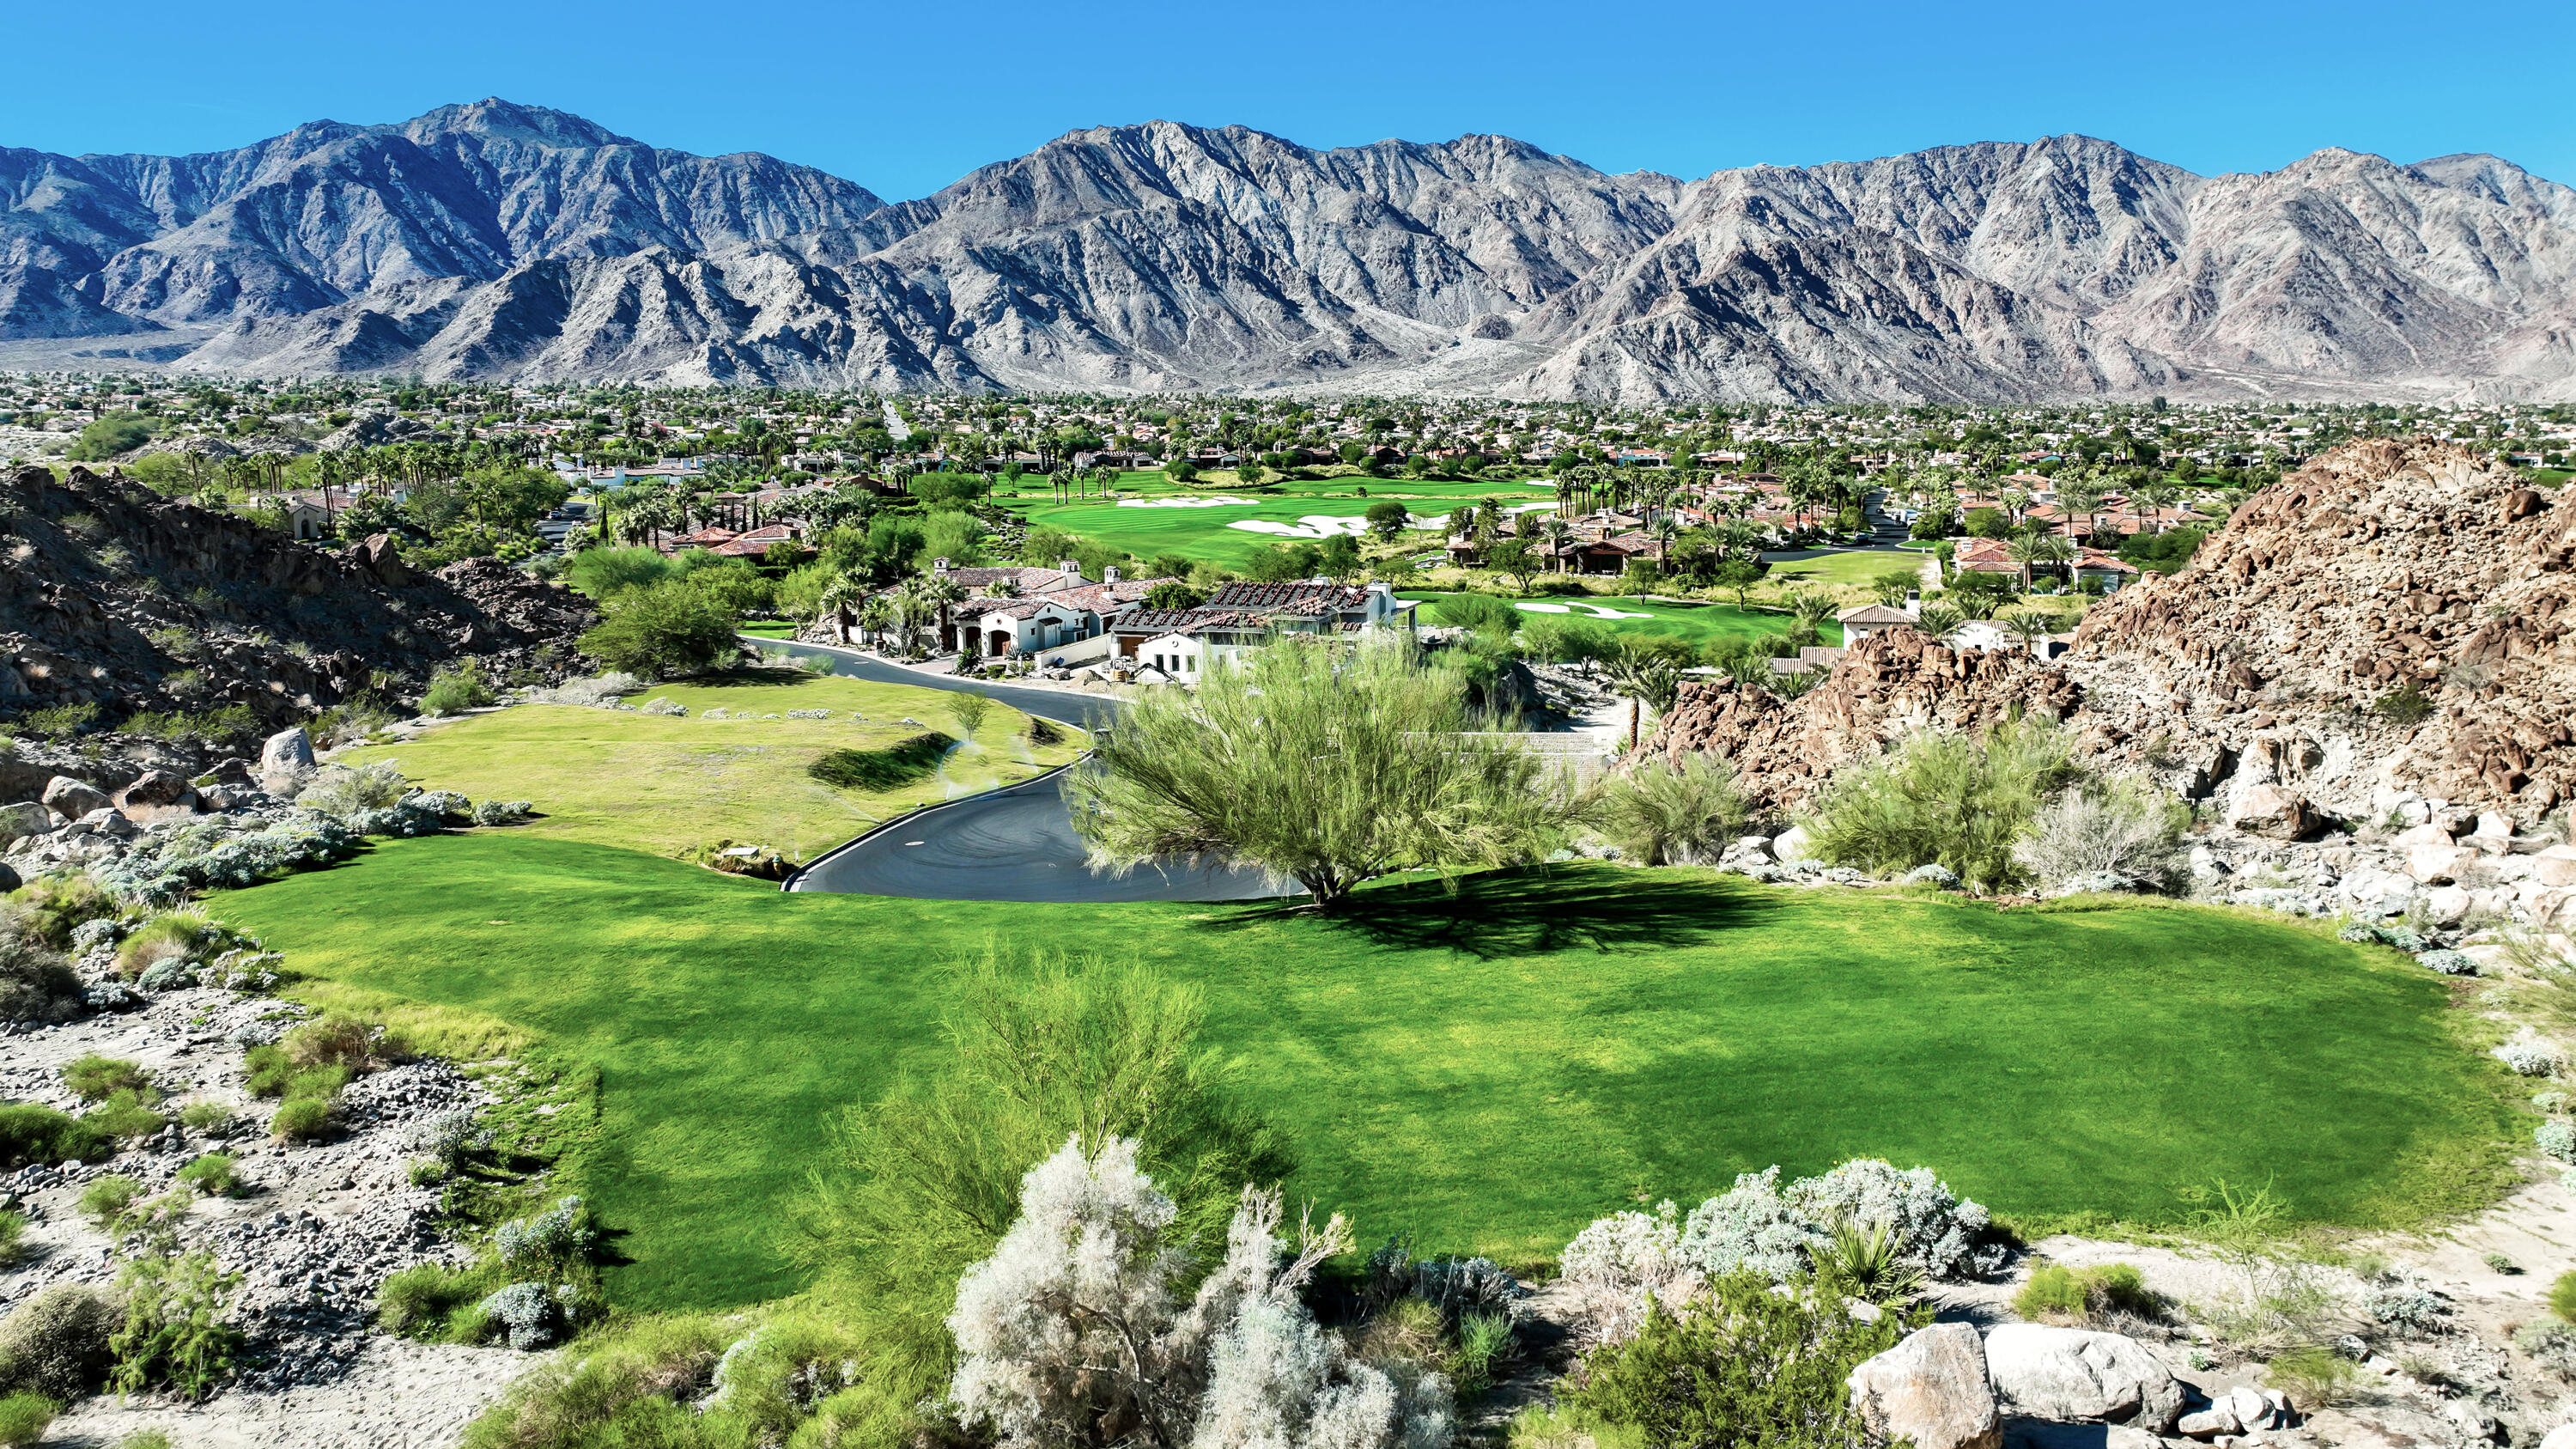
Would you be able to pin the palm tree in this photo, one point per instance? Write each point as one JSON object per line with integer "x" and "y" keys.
{"x": 1940, "y": 620}
{"x": 1556, "y": 531}
{"x": 2029, "y": 626}
{"x": 2033, "y": 547}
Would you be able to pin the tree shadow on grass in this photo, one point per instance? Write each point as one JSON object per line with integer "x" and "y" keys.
{"x": 771, "y": 674}
{"x": 1535, "y": 912}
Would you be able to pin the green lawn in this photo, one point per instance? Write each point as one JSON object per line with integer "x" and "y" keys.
{"x": 1488, "y": 1071}
{"x": 1856, "y": 566}
{"x": 1158, "y": 524}
{"x": 670, "y": 783}
{"x": 1699, "y": 623}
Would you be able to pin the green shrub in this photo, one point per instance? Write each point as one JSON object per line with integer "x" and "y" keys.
{"x": 94, "y": 1078}
{"x": 603, "y": 573}
{"x": 2313, "y": 1376}
{"x": 1661, "y": 812}
{"x": 206, "y": 1119}
{"x": 2056, "y": 1291}
{"x": 13, "y": 1228}
{"x": 268, "y": 1069}
{"x": 1484, "y": 1341}
{"x": 422, "y": 1301}
{"x": 30, "y": 1133}
{"x": 1741, "y": 1365}
{"x": 627, "y": 1390}
{"x": 56, "y": 1343}
{"x": 662, "y": 629}
{"x": 24, "y": 1419}
{"x": 345, "y": 1041}
{"x": 125, "y": 1115}
{"x": 2562, "y": 1296}
{"x": 106, "y": 1199}
{"x": 456, "y": 689}
{"x": 145, "y": 1439}
{"x": 301, "y": 1119}
{"x": 211, "y": 1175}
{"x": 171, "y": 936}
{"x": 175, "y": 1335}
{"x": 890, "y": 767}
{"x": 51, "y": 906}
{"x": 1944, "y": 798}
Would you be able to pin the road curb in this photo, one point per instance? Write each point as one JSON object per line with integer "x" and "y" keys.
{"x": 882, "y": 826}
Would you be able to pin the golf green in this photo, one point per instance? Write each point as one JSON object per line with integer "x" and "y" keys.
{"x": 1487, "y": 1070}
{"x": 1697, "y": 622}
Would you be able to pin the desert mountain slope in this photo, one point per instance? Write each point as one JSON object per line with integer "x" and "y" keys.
{"x": 504, "y": 240}
{"x": 2395, "y": 617}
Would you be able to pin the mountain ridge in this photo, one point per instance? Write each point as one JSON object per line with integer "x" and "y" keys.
{"x": 491, "y": 238}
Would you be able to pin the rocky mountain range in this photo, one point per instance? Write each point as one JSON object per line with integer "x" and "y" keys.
{"x": 498, "y": 240}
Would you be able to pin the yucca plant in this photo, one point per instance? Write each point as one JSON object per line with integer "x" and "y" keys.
{"x": 1865, "y": 1266}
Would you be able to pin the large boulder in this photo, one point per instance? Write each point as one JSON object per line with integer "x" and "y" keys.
{"x": 2555, "y": 866}
{"x": 2439, "y": 864}
{"x": 72, "y": 799}
{"x": 21, "y": 820}
{"x": 1791, "y": 844}
{"x": 2072, "y": 1374}
{"x": 158, "y": 795}
{"x": 1932, "y": 1389}
{"x": 288, "y": 754}
{"x": 2274, "y": 813}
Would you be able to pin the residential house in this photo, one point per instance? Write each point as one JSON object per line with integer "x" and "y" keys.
{"x": 1860, "y": 623}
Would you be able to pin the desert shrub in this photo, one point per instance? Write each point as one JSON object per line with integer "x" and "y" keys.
{"x": 2313, "y": 1375}
{"x": 301, "y": 1119}
{"x": 658, "y": 630}
{"x": 145, "y": 1439}
{"x": 2056, "y": 1291}
{"x": 421, "y": 1301}
{"x": 450, "y": 1136}
{"x": 1043, "y": 731}
{"x": 603, "y": 573}
{"x": 1865, "y": 1264}
{"x": 1740, "y": 1363}
{"x": 768, "y": 1380}
{"x": 2124, "y": 827}
{"x": 550, "y": 1242}
{"x": 456, "y": 689}
{"x": 344, "y": 1041}
{"x": 13, "y": 1231}
{"x": 32, "y": 1133}
{"x": 2529, "y": 1058}
{"x": 207, "y": 1119}
{"x": 175, "y": 1336}
{"x": 1566, "y": 641}
{"x": 36, "y": 983}
{"x": 56, "y": 1343}
{"x": 210, "y": 1175}
{"x": 1481, "y": 612}
{"x": 1484, "y": 1341}
{"x": 2406, "y": 1310}
{"x": 628, "y": 1389}
{"x": 1943, "y": 798}
{"x": 51, "y": 907}
{"x": 2556, "y": 1137}
{"x": 916, "y": 1185}
{"x": 228, "y": 852}
{"x": 2562, "y": 1296}
{"x": 527, "y": 1315}
{"x": 888, "y": 767}
{"x": 503, "y": 812}
{"x": 1090, "y": 1267}
{"x": 24, "y": 1419}
{"x": 106, "y": 1199}
{"x": 1662, "y": 812}
{"x": 343, "y": 791}
{"x": 125, "y": 1114}
{"x": 171, "y": 936}
{"x": 93, "y": 1078}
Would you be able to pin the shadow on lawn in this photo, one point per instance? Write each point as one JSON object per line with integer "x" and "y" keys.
{"x": 1534, "y": 912}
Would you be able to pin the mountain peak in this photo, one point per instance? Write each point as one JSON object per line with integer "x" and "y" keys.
{"x": 493, "y": 116}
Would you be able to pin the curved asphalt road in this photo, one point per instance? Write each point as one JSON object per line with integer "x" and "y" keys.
{"x": 1009, "y": 845}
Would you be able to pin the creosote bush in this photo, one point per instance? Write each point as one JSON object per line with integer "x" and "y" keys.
{"x": 33, "y": 1133}
{"x": 56, "y": 1343}
{"x": 1662, "y": 812}
{"x": 94, "y": 1078}
{"x": 1948, "y": 799}
{"x": 2057, "y": 1293}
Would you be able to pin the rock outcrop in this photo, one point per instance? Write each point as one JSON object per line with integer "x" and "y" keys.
{"x": 2395, "y": 621}
{"x": 135, "y": 603}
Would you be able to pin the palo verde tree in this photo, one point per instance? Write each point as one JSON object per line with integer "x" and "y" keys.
{"x": 1325, "y": 764}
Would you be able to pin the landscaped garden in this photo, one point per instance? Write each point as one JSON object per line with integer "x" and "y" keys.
{"x": 735, "y": 766}
{"x": 1487, "y": 1071}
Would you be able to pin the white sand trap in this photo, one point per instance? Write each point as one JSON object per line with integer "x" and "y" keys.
{"x": 1219, "y": 501}
{"x": 1313, "y": 525}
{"x": 1597, "y": 611}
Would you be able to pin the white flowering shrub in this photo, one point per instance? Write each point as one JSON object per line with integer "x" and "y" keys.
{"x": 2557, "y": 1137}
{"x": 1931, "y": 1228}
{"x": 445, "y": 803}
{"x": 2529, "y": 1058}
{"x": 1756, "y": 1226}
{"x": 1751, "y": 1227}
{"x": 1088, "y": 1275}
{"x": 557, "y": 1237}
{"x": 527, "y": 1313}
{"x": 2449, "y": 963}
{"x": 224, "y": 852}
{"x": 2406, "y": 1310}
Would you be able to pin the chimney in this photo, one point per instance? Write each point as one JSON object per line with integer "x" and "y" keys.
{"x": 1914, "y": 603}
{"x": 1109, "y": 574}
{"x": 939, "y": 566}
{"x": 1068, "y": 566}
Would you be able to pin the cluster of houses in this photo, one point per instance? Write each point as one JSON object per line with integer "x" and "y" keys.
{"x": 1056, "y": 618}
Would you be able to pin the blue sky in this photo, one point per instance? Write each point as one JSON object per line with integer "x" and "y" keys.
{"x": 904, "y": 99}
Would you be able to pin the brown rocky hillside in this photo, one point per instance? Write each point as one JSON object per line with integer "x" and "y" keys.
{"x": 2395, "y": 618}
{"x": 116, "y": 596}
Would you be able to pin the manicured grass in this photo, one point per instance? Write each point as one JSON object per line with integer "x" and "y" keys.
{"x": 1857, "y": 566}
{"x": 665, "y": 783}
{"x": 1194, "y": 533}
{"x": 1488, "y": 1071}
{"x": 768, "y": 628}
{"x": 1699, "y": 623}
